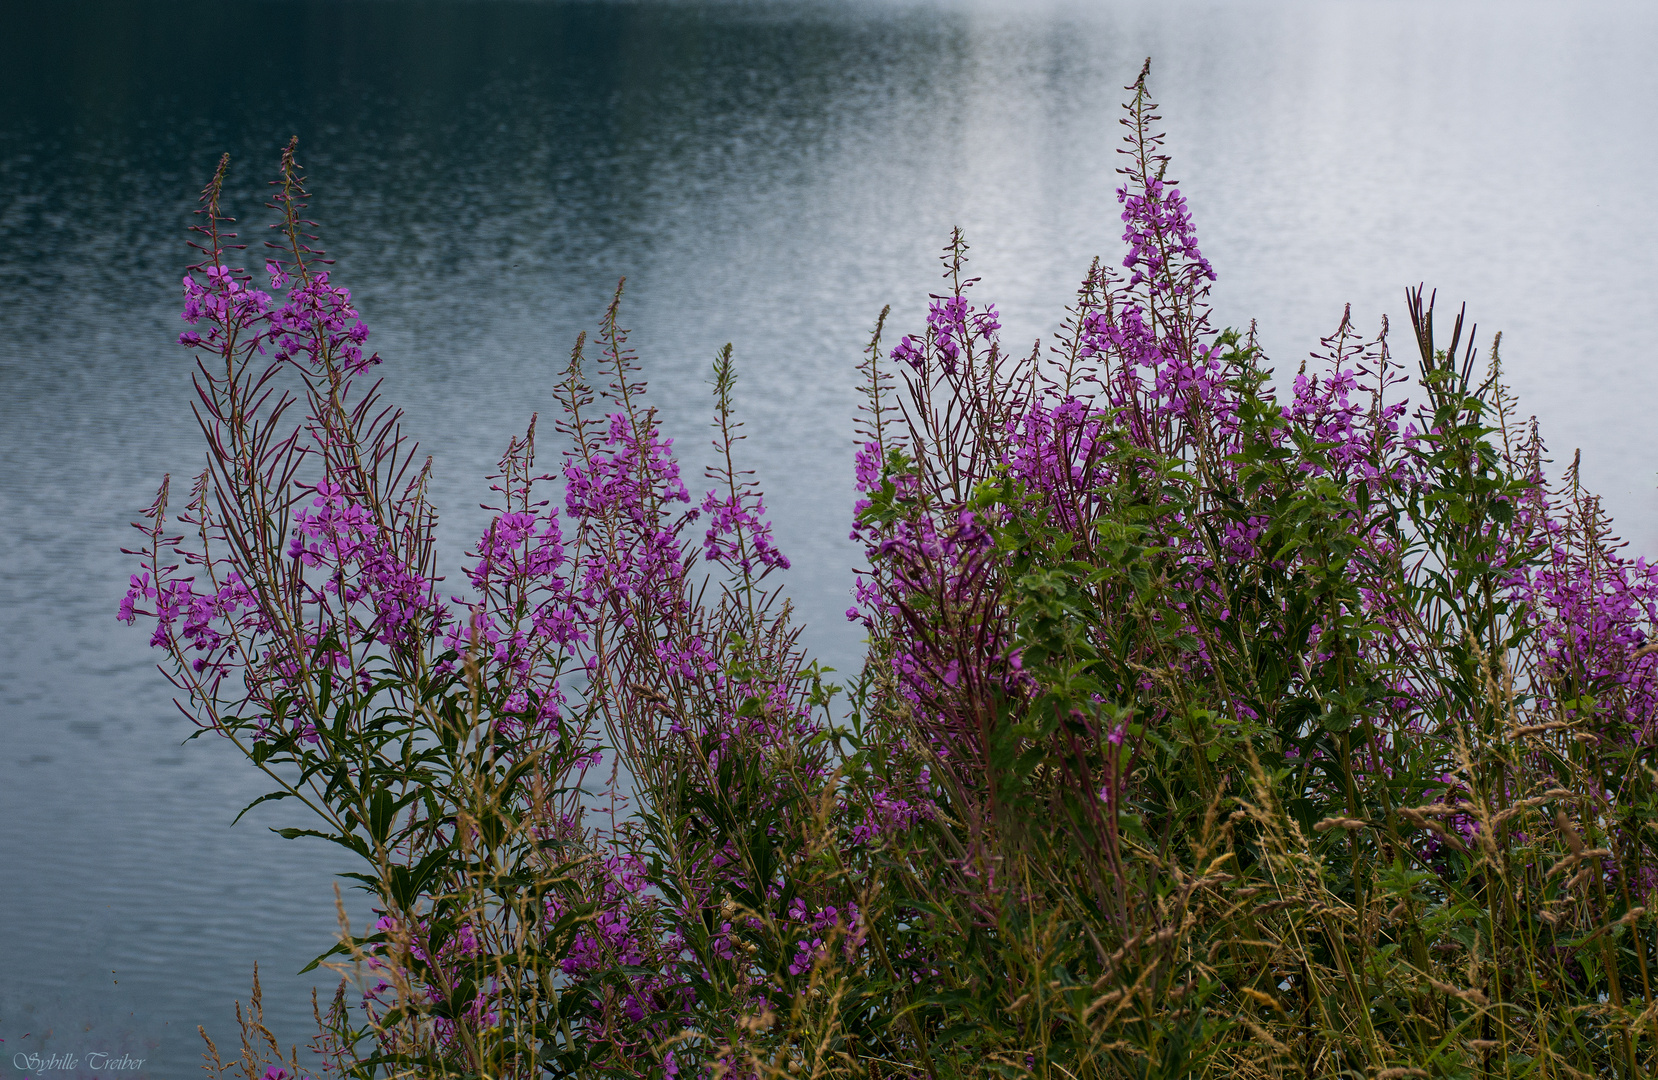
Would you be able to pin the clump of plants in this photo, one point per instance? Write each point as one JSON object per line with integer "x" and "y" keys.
{"x": 1204, "y": 731}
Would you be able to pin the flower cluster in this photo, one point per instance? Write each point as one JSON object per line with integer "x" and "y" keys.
{"x": 1160, "y": 661}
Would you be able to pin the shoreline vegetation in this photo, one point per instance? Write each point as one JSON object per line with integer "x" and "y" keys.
{"x": 1203, "y": 731}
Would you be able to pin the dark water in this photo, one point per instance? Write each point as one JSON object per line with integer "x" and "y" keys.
{"x": 765, "y": 174}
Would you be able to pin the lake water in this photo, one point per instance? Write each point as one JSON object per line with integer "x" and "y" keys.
{"x": 768, "y": 174}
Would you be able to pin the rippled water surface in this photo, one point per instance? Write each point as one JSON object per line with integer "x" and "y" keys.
{"x": 768, "y": 174}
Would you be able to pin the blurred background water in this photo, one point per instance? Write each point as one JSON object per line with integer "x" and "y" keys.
{"x": 768, "y": 174}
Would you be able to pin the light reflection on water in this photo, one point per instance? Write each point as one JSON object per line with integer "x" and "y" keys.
{"x": 767, "y": 174}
